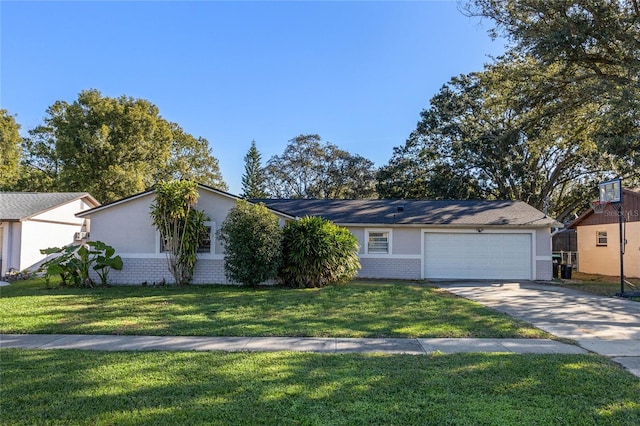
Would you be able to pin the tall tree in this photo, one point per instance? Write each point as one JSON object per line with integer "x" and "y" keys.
{"x": 10, "y": 150}
{"x": 191, "y": 159}
{"x": 594, "y": 48}
{"x": 309, "y": 169}
{"x": 481, "y": 139}
{"x": 114, "y": 147}
{"x": 253, "y": 179}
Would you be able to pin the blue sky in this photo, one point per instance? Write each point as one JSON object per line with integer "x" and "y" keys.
{"x": 356, "y": 73}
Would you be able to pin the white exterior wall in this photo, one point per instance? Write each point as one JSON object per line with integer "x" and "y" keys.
{"x": 126, "y": 227}
{"x": 22, "y": 241}
{"x": 11, "y": 234}
{"x": 42, "y": 235}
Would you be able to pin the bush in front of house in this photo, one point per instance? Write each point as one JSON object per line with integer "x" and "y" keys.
{"x": 251, "y": 237}
{"x": 316, "y": 253}
{"x": 73, "y": 263}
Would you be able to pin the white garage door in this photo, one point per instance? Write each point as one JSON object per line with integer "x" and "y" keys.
{"x": 477, "y": 256}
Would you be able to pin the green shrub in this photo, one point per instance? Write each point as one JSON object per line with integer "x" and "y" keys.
{"x": 316, "y": 253}
{"x": 73, "y": 263}
{"x": 182, "y": 227}
{"x": 251, "y": 237}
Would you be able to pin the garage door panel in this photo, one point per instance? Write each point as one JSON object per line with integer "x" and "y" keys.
{"x": 477, "y": 255}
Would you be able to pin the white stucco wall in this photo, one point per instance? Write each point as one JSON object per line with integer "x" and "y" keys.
{"x": 127, "y": 227}
{"x": 42, "y": 235}
{"x": 22, "y": 241}
{"x": 11, "y": 234}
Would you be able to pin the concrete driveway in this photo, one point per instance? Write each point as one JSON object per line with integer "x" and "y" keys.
{"x": 604, "y": 325}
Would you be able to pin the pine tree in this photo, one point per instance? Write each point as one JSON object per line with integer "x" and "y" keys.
{"x": 253, "y": 180}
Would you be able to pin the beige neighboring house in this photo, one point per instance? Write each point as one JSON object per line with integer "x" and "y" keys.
{"x": 599, "y": 238}
{"x": 30, "y": 221}
{"x": 402, "y": 239}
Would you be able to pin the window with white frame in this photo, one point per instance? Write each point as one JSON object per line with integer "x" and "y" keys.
{"x": 378, "y": 242}
{"x": 204, "y": 246}
{"x": 205, "y": 243}
{"x": 601, "y": 238}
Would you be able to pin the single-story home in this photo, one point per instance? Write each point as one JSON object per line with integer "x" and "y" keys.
{"x": 599, "y": 238}
{"x": 403, "y": 239}
{"x": 30, "y": 221}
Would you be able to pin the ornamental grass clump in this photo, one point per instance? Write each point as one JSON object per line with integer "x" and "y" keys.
{"x": 316, "y": 253}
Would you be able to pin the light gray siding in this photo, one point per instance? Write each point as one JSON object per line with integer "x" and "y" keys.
{"x": 406, "y": 241}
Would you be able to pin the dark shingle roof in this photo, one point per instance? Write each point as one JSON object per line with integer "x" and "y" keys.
{"x": 416, "y": 212}
{"x": 23, "y": 205}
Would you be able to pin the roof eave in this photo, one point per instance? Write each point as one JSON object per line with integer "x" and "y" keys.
{"x": 452, "y": 225}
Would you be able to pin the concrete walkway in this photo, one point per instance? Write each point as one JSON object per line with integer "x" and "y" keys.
{"x": 299, "y": 344}
{"x": 603, "y": 325}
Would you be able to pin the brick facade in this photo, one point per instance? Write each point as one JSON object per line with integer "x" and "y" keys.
{"x": 151, "y": 271}
{"x": 398, "y": 268}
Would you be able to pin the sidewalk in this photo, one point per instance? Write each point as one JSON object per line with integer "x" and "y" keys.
{"x": 298, "y": 344}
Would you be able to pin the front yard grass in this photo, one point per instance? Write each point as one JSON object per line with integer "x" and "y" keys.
{"x": 601, "y": 285}
{"x": 57, "y": 387}
{"x": 360, "y": 309}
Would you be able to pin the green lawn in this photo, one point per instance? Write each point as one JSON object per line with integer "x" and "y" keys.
{"x": 285, "y": 388}
{"x": 365, "y": 309}
{"x": 602, "y": 285}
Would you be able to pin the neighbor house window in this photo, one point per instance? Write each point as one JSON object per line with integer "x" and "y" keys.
{"x": 378, "y": 242}
{"x": 601, "y": 238}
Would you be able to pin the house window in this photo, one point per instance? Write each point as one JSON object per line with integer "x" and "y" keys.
{"x": 378, "y": 242}
{"x": 205, "y": 244}
{"x": 203, "y": 247}
{"x": 601, "y": 238}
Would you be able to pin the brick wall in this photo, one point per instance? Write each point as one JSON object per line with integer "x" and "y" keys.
{"x": 544, "y": 270}
{"x": 399, "y": 268}
{"x": 154, "y": 271}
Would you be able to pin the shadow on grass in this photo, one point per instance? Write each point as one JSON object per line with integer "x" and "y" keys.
{"x": 74, "y": 387}
{"x": 355, "y": 310}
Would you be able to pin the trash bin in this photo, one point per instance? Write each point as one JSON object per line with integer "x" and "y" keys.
{"x": 556, "y": 265}
{"x": 566, "y": 272}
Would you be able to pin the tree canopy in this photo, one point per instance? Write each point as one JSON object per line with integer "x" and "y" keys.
{"x": 481, "y": 139}
{"x": 310, "y": 169}
{"x": 114, "y": 147}
{"x": 543, "y": 123}
{"x": 9, "y": 150}
{"x": 593, "y": 46}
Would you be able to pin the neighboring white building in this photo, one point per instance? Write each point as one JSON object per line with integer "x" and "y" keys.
{"x": 402, "y": 239}
{"x": 31, "y": 221}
